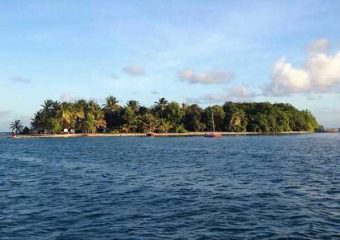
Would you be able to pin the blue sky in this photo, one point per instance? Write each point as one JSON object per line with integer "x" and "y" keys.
{"x": 205, "y": 52}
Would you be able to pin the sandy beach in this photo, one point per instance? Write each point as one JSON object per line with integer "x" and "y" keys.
{"x": 189, "y": 134}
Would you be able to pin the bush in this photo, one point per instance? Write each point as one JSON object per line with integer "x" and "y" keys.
{"x": 26, "y": 130}
{"x": 181, "y": 129}
{"x": 115, "y": 131}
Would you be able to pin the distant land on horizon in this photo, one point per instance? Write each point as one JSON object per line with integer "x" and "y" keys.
{"x": 87, "y": 116}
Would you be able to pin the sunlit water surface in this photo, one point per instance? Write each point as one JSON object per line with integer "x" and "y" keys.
{"x": 263, "y": 187}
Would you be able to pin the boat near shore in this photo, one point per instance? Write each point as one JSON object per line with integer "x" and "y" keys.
{"x": 13, "y": 136}
{"x": 150, "y": 134}
{"x": 213, "y": 134}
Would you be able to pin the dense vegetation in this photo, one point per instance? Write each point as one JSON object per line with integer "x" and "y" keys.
{"x": 83, "y": 116}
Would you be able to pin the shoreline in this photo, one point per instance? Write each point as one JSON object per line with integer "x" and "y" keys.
{"x": 189, "y": 134}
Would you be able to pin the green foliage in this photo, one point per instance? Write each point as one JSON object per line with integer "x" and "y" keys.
{"x": 89, "y": 125}
{"x": 235, "y": 117}
{"x": 89, "y": 117}
{"x": 54, "y": 116}
{"x": 173, "y": 114}
{"x": 53, "y": 125}
{"x": 192, "y": 119}
{"x": 26, "y": 130}
{"x": 148, "y": 123}
{"x": 180, "y": 129}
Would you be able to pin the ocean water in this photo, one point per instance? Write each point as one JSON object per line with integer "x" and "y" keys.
{"x": 247, "y": 187}
{"x": 4, "y": 134}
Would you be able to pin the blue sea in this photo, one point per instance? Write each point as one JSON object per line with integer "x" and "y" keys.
{"x": 244, "y": 187}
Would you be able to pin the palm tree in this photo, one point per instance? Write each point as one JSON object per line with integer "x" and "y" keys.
{"x": 111, "y": 109}
{"x": 92, "y": 108}
{"x": 78, "y": 114}
{"x": 160, "y": 107}
{"x": 111, "y": 104}
{"x": 49, "y": 108}
{"x": 47, "y": 105}
{"x": 133, "y": 105}
{"x": 89, "y": 124}
{"x": 149, "y": 122}
{"x": 38, "y": 122}
{"x": 16, "y": 126}
{"x": 65, "y": 114}
{"x": 162, "y": 102}
{"x": 235, "y": 121}
{"x": 100, "y": 120}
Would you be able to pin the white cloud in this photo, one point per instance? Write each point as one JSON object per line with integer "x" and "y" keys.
{"x": 211, "y": 77}
{"x": 242, "y": 93}
{"x": 20, "y": 79}
{"x": 324, "y": 70}
{"x": 321, "y": 45}
{"x": 213, "y": 98}
{"x": 134, "y": 70}
{"x": 286, "y": 79}
{"x": 320, "y": 73}
{"x": 238, "y": 93}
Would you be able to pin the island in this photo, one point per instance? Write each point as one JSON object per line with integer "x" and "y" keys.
{"x": 88, "y": 118}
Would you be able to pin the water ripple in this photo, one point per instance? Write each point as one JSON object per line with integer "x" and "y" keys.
{"x": 271, "y": 187}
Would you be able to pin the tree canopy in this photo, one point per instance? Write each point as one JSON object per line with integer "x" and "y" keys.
{"x": 83, "y": 116}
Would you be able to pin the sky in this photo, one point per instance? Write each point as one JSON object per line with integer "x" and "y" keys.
{"x": 194, "y": 51}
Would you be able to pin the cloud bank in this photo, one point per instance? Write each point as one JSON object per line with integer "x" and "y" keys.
{"x": 211, "y": 77}
{"x": 320, "y": 73}
{"x": 134, "y": 70}
{"x": 4, "y": 114}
